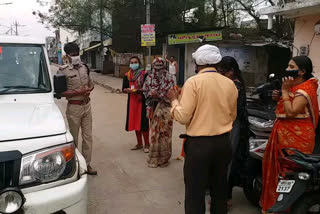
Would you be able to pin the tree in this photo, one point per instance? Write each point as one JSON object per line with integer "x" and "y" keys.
{"x": 215, "y": 13}
{"x": 283, "y": 28}
{"x": 77, "y": 15}
{"x": 168, "y": 15}
{"x": 249, "y": 6}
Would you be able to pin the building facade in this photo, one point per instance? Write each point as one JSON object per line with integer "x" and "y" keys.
{"x": 52, "y": 48}
{"x": 307, "y": 27}
{"x": 257, "y": 58}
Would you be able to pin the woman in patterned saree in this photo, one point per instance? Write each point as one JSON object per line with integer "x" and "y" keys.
{"x": 297, "y": 118}
{"x": 156, "y": 87}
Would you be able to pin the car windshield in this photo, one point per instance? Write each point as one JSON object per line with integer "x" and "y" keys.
{"x": 23, "y": 69}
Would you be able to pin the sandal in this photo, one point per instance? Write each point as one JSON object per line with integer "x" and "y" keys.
{"x": 137, "y": 147}
{"x": 146, "y": 150}
{"x": 152, "y": 165}
{"x": 179, "y": 158}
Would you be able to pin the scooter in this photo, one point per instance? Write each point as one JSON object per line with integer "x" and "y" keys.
{"x": 299, "y": 185}
{"x": 302, "y": 191}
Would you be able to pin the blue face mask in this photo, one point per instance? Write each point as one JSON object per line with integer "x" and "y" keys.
{"x": 134, "y": 66}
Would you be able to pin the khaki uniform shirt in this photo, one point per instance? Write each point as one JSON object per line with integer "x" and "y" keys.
{"x": 77, "y": 78}
{"x": 208, "y": 104}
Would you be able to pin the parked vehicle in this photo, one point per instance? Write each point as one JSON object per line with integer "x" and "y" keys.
{"x": 300, "y": 187}
{"x": 299, "y": 184}
{"x": 41, "y": 171}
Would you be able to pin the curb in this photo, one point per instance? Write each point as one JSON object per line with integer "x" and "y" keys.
{"x": 113, "y": 90}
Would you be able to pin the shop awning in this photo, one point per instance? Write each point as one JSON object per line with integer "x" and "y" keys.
{"x": 106, "y": 43}
{"x": 92, "y": 47}
{"x": 263, "y": 44}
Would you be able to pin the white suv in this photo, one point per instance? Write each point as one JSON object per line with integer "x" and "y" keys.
{"x": 41, "y": 171}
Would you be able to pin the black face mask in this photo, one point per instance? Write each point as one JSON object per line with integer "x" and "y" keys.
{"x": 291, "y": 73}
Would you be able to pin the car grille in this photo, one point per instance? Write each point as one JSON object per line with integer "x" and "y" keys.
{"x": 9, "y": 169}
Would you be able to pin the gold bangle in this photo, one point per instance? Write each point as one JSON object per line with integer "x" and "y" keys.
{"x": 286, "y": 99}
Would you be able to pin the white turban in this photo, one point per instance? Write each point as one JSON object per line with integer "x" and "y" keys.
{"x": 207, "y": 55}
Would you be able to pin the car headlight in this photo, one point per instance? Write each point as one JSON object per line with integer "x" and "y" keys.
{"x": 47, "y": 165}
{"x": 255, "y": 143}
{"x": 261, "y": 123}
{"x": 11, "y": 200}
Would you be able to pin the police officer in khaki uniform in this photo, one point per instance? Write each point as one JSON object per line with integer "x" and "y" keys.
{"x": 78, "y": 113}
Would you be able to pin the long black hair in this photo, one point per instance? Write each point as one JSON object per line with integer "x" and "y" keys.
{"x": 304, "y": 63}
{"x": 229, "y": 63}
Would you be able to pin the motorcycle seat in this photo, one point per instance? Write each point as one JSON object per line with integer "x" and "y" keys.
{"x": 312, "y": 158}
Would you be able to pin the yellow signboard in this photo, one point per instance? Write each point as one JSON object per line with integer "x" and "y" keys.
{"x": 184, "y": 38}
{"x": 148, "y": 35}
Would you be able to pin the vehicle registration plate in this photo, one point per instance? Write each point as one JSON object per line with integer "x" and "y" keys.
{"x": 285, "y": 186}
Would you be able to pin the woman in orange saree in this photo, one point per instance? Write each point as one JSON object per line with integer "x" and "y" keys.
{"x": 297, "y": 115}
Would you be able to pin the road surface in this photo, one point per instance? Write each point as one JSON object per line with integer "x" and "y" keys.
{"x": 125, "y": 185}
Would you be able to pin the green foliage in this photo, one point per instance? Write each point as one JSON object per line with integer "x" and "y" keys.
{"x": 168, "y": 15}
{"x": 77, "y": 15}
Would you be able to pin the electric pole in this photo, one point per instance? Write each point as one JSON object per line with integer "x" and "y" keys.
{"x": 16, "y": 25}
{"x": 147, "y": 3}
{"x": 101, "y": 34}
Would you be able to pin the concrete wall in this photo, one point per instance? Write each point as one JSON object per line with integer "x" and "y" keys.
{"x": 121, "y": 62}
{"x": 99, "y": 60}
{"x": 51, "y": 46}
{"x": 86, "y": 38}
{"x": 189, "y": 67}
{"x": 253, "y": 61}
{"x": 304, "y": 35}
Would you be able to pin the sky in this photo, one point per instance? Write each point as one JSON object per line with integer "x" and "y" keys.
{"x": 21, "y": 11}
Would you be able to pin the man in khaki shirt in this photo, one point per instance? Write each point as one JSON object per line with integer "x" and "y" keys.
{"x": 208, "y": 107}
{"x": 78, "y": 113}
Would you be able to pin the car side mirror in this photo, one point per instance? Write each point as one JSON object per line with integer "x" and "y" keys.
{"x": 60, "y": 85}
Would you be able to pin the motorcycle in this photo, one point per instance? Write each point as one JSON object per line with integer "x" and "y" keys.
{"x": 260, "y": 127}
{"x": 299, "y": 184}
{"x": 302, "y": 191}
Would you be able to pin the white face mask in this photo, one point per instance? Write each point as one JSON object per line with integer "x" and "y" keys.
{"x": 75, "y": 60}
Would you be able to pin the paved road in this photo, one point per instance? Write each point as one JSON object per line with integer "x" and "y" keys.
{"x": 125, "y": 185}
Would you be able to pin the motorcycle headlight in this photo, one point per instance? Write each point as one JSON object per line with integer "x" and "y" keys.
{"x": 47, "y": 165}
{"x": 261, "y": 123}
{"x": 255, "y": 143}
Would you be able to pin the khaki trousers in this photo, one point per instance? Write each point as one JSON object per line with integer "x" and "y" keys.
{"x": 80, "y": 116}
